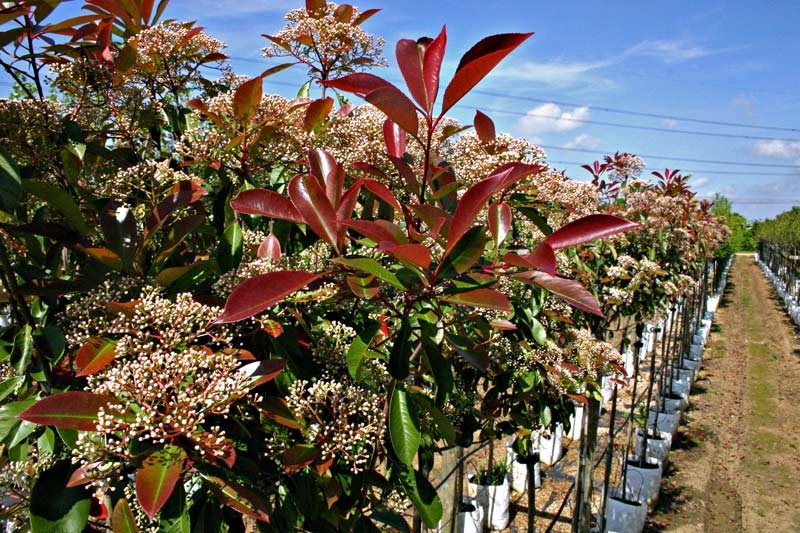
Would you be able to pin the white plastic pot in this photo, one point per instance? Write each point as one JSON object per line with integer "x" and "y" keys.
{"x": 496, "y": 502}
{"x": 667, "y": 422}
{"x": 471, "y": 521}
{"x": 625, "y": 516}
{"x": 657, "y": 445}
{"x": 651, "y": 478}
{"x": 576, "y": 422}
{"x": 551, "y": 448}
{"x": 519, "y": 471}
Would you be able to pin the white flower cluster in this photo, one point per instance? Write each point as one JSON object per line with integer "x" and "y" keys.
{"x": 344, "y": 419}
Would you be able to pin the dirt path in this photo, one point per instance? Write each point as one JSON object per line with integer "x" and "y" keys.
{"x": 735, "y": 465}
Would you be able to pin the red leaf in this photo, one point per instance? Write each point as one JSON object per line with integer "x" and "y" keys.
{"x": 260, "y": 372}
{"x": 364, "y": 15}
{"x": 266, "y": 203}
{"x": 568, "y": 290}
{"x": 85, "y": 474}
{"x": 395, "y": 138}
{"x": 381, "y": 191}
{"x": 259, "y": 293}
{"x": 396, "y": 106}
{"x": 299, "y": 456}
{"x": 359, "y": 83}
{"x": 588, "y": 229}
{"x": 484, "y": 127}
{"x": 432, "y": 66}
{"x": 316, "y": 113}
{"x": 329, "y": 172}
{"x": 239, "y": 497}
{"x": 191, "y": 33}
{"x": 247, "y": 97}
{"x": 316, "y": 8}
{"x": 313, "y": 204}
{"x": 67, "y": 410}
{"x": 183, "y": 193}
{"x": 435, "y": 218}
{"x": 476, "y": 197}
{"x": 499, "y": 219}
{"x": 122, "y": 518}
{"x": 94, "y": 356}
{"x": 503, "y": 325}
{"x": 343, "y": 13}
{"x": 484, "y": 298}
{"x": 416, "y": 254}
{"x": 477, "y": 63}
{"x": 372, "y": 230}
{"x": 157, "y": 477}
{"x": 270, "y": 248}
{"x": 277, "y": 410}
{"x": 542, "y": 258}
{"x": 409, "y": 59}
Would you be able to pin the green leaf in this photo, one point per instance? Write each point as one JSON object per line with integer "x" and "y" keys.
{"x": 392, "y": 519}
{"x": 358, "y": 348}
{"x": 466, "y": 252}
{"x": 69, "y": 410}
{"x": 10, "y": 183}
{"x": 371, "y": 266}
{"x": 157, "y": 478}
{"x": 54, "y": 508}
{"x": 174, "y": 516}
{"x": 400, "y": 354}
{"x": 9, "y": 413}
{"x": 47, "y": 441}
{"x": 423, "y": 496}
{"x": 23, "y": 350}
{"x": 403, "y": 430}
{"x": 20, "y": 432}
{"x": 60, "y": 201}
{"x": 229, "y": 253}
{"x": 10, "y": 386}
{"x": 539, "y": 332}
{"x": 122, "y": 519}
{"x": 443, "y": 424}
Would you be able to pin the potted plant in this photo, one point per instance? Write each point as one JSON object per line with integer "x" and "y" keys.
{"x": 490, "y": 486}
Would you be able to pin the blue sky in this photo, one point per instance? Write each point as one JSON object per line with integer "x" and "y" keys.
{"x": 581, "y": 86}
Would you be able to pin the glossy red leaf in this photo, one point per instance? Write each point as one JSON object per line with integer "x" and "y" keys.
{"x": 316, "y": 8}
{"x": 343, "y": 13}
{"x": 435, "y": 218}
{"x": 259, "y": 293}
{"x": 588, "y": 229}
{"x": 359, "y": 83}
{"x": 266, "y": 203}
{"x": 377, "y": 188}
{"x": 299, "y": 456}
{"x": 499, "y": 219}
{"x": 316, "y": 113}
{"x": 477, "y": 63}
{"x": 409, "y": 56}
{"x": 568, "y": 290}
{"x": 277, "y": 410}
{"x": 94, "y": 356}
{"x": 364, "y": 288}
{"x": 396, "y": 106}
{"x": 183, "y": 193}
{"x": 239, "y": 497}
{"x": 247, "y": 98}
{"x": 122, "y": 519}
{"x": 542, "y": 258}
{"x": 329, "y": 172}
{"x": 85, "y": 474}
{"x": 476, "y": 197}
{"x": 313, "y": 204}
{"x": 484, "y": 298}
{"x": 432, "y": 65}
{"x": 67, "y": 410}
{"x": 371, "y": 230}
{"x": 396, "y": 139}
{"x": 260, "y": 372}
{"x": 364, "y": 15}
{"x": 484, "y": 127}
{"x": 157, "y": 477}
{"x": 502, "y": 324}
{"x": 197, "y": 30}
{"x": 270, "y": 248}
{"x": 416, "y": 254}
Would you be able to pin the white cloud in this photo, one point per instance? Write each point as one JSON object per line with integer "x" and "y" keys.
{"x": 555, "y": 73}
{"x": 550, "y": 118}
{"x": 671, "y": 51}
{"x": 699, "y": 182}
{"x": 778, "y": 149}
{"x": 583, "y": 140}
{"x": 670, "y": 123}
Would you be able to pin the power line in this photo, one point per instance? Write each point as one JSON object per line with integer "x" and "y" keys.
{"x": 693, "y": 171}
{"x": 645, "y": 128}
{"x": 671, "y": 158}
{"x": 637, "y": 113}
